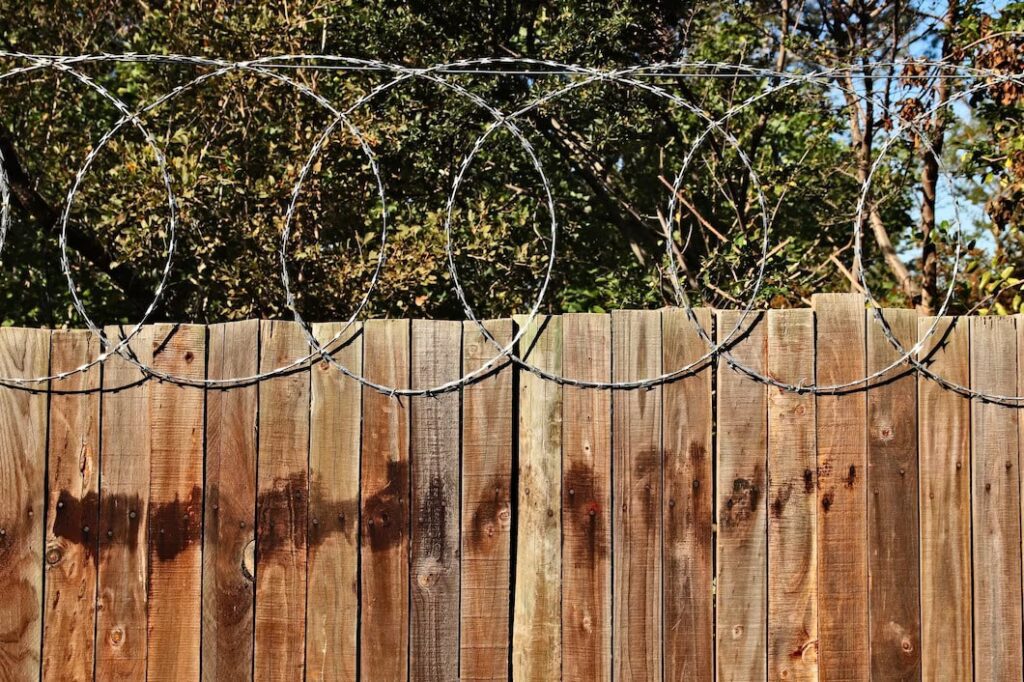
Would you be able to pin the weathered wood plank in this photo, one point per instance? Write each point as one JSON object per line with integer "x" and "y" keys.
{"x": 384, "y": 636}
{"x": 332, "y": 611}
{"x": 792, "y": 500}
{"x": 434, "y": 646}
{"x": 229, "y": 538}
{"x": 842, "y": 490}
{"x": 893, "y": 529}
{"x": 281, "y": 506}
{"x": 586, "y": 500}
{"x": 741, "y": 588}
{"x": 688, "y": 505}
{"x": 486, "y": 507}
{"x": 536, "y": 640}
{"x": 69, "y": 616}
{"x": 121, "y": 631}
{"x": 24, "y": 353}
{"x": 995, "y": 508}
{"x": 944, "y": 435}
{"x": 176, "y": 505}
{"x": 636, "y": 433}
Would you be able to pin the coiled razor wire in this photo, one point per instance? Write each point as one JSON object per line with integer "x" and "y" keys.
{"x": 633, "y": 77}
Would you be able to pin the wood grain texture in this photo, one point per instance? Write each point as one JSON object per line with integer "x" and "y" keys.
{"x": 688, "y": 505}
{"x": 636, "y": 443}
{"x": 486, "y": 507}
{"x": 281, "y": 506}
{"x": 121, "y": 627}
{"x": 536, "y": 640}
{"x": 995, "y": 507}
{"x": 893, "y": 527}
{"x": 332, "y": 611}
{"x": 841, "y": 357}
{"x": 229, "y": 538}
{"x": 792, "y": 500}
{"x": 24, "y": 353}
{"x": 944, "y": 436}
{"x": 384, "y": 635}
{"x": 69, "y": 613}
{"x": 434, "y": 627}
{"x": 741, "y": 591}
{"x": 586, "y": 500}
{"x": 176, "y": 415}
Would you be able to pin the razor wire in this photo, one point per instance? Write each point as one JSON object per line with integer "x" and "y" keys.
{"x": 641, "y": 77}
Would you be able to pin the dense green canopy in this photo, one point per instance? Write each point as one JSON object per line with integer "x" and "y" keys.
{"x": 236, "y": 143}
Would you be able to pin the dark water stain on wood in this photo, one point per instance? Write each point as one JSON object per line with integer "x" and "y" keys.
{"x": 281, "y": 515}
{"x": 77, "y": 521}
{"x": 177, "y": 524}
{"x": 431, "y": 520}
{"x": 851, "y": 476}
{"x": 329, "y": 517}
{"x": 121, "y": 519}
{"x": 826, "y": 502}
{"x": 808, "y": 481}
{"x": 492, "y": 516}
{"x": 385, "y": 511}
{"x": 781, "y": 498}
{"x": 743, "y": 499}
{"x": 582, "y": 496}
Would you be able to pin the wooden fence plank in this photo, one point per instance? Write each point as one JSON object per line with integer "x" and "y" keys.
{"x": 281, "y": 506}
{"x": 636, "y": 434}
{"x": 944, "y": 434}
{"x": 24, "y": 353}
{"x": 229, "y": 538}
{"x": 741, "y": 588}
{"x": 124, "y": 512}
{"x": 176, "y": 505}
{"x": 536, "y": 640}
{"x": 384, "y": 636}
{"x": 688, "y": 504}
{"x": 840, "y": 357}
{"x": 72, "y": 504}
{"x": 893, "y": 529}
{"x": 792, "y": 500}
{"x": 586, "y": 500}
{"x": 332, "y": 611}
{"x": 995, "y": 511}
{"x": 486, "y": 507}
{"x": 434, "y": 443}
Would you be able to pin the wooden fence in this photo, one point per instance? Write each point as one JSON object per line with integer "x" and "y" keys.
{"x": 305, "y": 527}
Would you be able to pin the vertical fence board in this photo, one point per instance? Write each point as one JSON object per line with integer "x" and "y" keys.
{"x": 230, "y": 514}
{"x": 434, "y": 646}
{"x": 586, "y": 500}
{"x": 741, "y": 589}
{"x": 72, "y": 504}
{"x": 384, "y": 638}
{"x": 995, "y": 512}
{"x": 24, "y": 353}
{"x": 124, "y": 512}
{"x": 792, "y": 500}
{"x": 944, "y": 428}
{"x": 840, "y": 357}
{"x": 636, "y": 443}
{"x": 486, "y": 507}
{"x": 281, "y": 506}
{"x": 176, "y": 505}
{"x": 687, "y": 507}
{"x": 332, "y": 611}
{"x": 893, "y": 555}
{"x": 536, "y": 640}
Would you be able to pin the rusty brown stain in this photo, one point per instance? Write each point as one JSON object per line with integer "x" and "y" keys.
{"x": 781, "y": 498}
{"x": 328, "y": 516}
{"x": 808, "y": 481}
{"x": 742, "y": 501}
{"x": 176, "y": 525}
{"x": 121, "y": 519}
{"x": 385, "y": 511}
{"x": 697, "y": 452}
{"x": 582, "y": 493}
{"x": 281, "y": 515}
{"x": 851, "y": 476}
{"x": 492, "y": 515}
{"x": 73, "y": 516}
{"x": 826, "y": 502}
